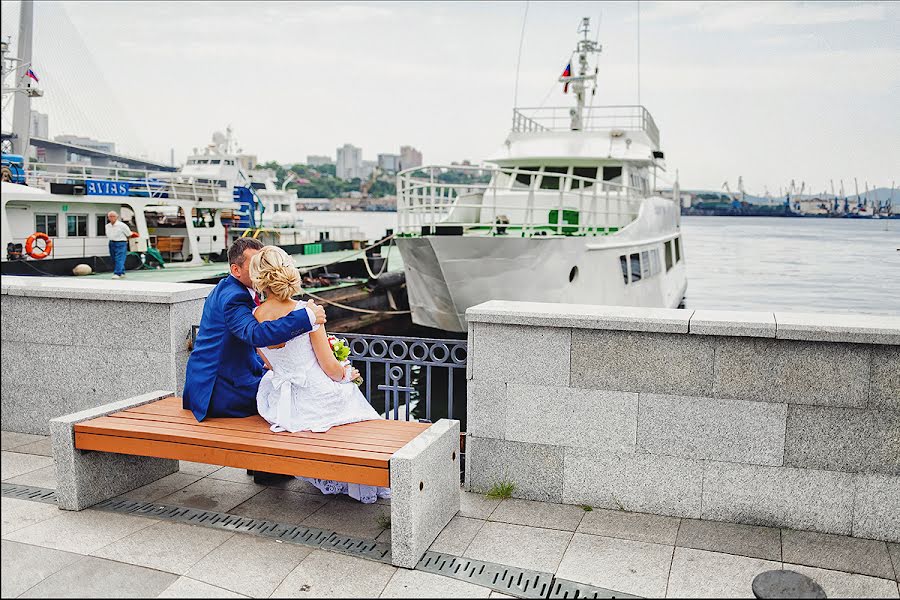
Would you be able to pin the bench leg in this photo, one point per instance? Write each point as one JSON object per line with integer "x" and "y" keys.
{"x": 85, "y": 477}
{"x": 424, "y": 491}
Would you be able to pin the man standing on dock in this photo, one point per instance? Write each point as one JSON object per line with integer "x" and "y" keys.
{"x": 117, "y": 232}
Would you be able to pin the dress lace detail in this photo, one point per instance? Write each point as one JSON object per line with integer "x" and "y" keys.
{"x": 297, "y": 395}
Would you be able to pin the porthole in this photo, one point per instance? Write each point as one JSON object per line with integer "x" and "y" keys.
{"x": 573, "y": 274}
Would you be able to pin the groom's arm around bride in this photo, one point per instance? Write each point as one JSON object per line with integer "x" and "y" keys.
{"x": 223, "y": 370}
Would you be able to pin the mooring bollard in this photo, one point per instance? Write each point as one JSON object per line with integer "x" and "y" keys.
{"x": 785, "y": 584}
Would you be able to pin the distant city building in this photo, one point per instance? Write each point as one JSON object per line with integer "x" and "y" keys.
{"x": 349, "y": 163}
{"x": 410, "y": 157}
{"x": 389, "y": 163}
{"x": 316, "y": 160}
{"x": 86, "y": 142}
{"x": 368, "y": 167}
{"x": 40, "y": 125}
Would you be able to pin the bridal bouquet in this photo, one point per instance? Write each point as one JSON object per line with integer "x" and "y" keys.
{"x": 342, "y": 352}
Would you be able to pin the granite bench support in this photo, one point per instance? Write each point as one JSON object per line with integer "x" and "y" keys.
{"x": 85, "y": 478}
{"x": 422, "y": 470}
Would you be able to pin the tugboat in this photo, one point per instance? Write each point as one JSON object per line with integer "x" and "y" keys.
{"x": 569, "y": 214}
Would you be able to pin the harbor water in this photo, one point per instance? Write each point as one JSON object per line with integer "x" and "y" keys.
{"x": 762, "y": 263}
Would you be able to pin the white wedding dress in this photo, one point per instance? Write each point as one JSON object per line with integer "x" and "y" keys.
{"x": 297, "y": 395}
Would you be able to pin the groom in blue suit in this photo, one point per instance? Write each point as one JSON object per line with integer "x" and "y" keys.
{"x": 224, "y": 370}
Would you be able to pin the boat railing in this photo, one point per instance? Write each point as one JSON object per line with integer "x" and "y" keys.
{"x": 512, "y": 200}
{"x": 99, "y": 180}
{"x": 624, "y": 117}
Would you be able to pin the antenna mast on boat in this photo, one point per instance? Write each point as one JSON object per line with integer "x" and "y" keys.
{"x": 21, "y": 86}
{"x": 585, "y": 47}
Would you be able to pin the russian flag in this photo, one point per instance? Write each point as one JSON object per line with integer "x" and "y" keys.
{"x": 30, "y": 73}
{"x": 567, "y": 73}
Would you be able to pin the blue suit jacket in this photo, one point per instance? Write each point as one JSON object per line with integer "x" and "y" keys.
{"x": 224, "y": 370}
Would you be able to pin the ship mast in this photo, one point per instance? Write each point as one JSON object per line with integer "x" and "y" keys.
{"x": 583, "y": 49}
{"x": 22, "y": 85}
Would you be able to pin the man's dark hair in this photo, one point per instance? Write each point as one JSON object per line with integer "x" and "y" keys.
{"x": 236, "y": 250}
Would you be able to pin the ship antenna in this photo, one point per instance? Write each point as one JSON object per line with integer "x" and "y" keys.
{"x": 519, "y": 59}
{"x": 585, "y": 46}
{"x": 639, "y": 52}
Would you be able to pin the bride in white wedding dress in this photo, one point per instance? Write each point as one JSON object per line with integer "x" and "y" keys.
{"x": 306, "y": 388}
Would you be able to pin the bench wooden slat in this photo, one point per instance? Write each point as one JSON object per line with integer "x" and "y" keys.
{"x": 361, "y": 444}
{"x": 256, "y": 461}
{"x": 110, "y": 426}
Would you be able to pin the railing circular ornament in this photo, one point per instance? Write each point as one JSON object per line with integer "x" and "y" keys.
{"x": 396, "y": 373}
{"x": 383, "y": 348}
{"x": 443, "y": 348}
{"x": 458, "y": 350}
{"x": 398, "y": 350}
{"x": 416, "y": 348}
{"x": 359, "y": 346}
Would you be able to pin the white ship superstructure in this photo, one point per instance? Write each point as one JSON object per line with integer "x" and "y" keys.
{"x": 569, "y": 215}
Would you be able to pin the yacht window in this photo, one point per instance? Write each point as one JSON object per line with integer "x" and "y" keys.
{"x": 635, "y": 268}
{"x": 551, "y": 182}
{"x": 624, "y": 262}
{"x": 215, "y": 162}
{"x": 46, "y": 224}
{"x": 192, "y": 161}
{"x": 229, "y": 162}
{"x": 645, "y": 264}
{"x": 257, "y": 185}
{"x": 221, "y": 183}
{"x": 678, "y": 249}
{"x": 202, "y": 161}
{"x": 525, "y": 175}
{"x": 613, "y": 174}
{"x": 587, "y": 173}
{"x": 101, "y": 225}
{"x": 76, "y": 225}
{"x": 654, "y": 261}
{"x": 668, "y": 253}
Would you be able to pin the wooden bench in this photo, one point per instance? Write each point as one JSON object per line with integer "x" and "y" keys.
{"x": 170, "y": 245}
{"x": 108, "y": 451}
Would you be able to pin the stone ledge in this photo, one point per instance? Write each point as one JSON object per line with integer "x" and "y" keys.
{"x": 733, "y": 323}
{"x": 97, "y": 289}
{"x": 581, "y": 316}
{"x": 859, "y": 329}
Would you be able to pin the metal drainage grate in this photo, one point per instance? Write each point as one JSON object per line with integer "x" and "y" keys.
{"x": 508, "y": 580}
{"x": 27, "y": 492}
{"x": 562, "y": 588}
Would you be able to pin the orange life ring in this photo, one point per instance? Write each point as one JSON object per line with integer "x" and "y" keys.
{"x": 37, "y": 252}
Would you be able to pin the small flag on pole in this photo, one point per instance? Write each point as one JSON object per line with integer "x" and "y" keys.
{"x": 567, "y": 73}
{"x": 30, "y": 73}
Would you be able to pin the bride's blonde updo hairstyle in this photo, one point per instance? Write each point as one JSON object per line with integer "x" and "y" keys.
{"x": 273, "y": 273}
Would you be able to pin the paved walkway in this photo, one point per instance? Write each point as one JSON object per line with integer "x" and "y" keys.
{"x": 51, "y": 553}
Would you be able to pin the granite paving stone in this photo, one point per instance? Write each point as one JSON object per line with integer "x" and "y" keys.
{"x": 24, "y": 566}
{"x": 712, "y": 429}
{"x": 837, "y": 552}
{"x": 165, "y": 486}
{"x": 486, "y": 408}
{"x": 639, "y": 527}
{"x": 185, "y": 587}
{"x": 643, "y": 362}
{"x": 348, "y": 516}
{"x": 535, "y": 469}
{"x": 281, "y": 506}
{"x": 519, "y": 546}
{"x": 456, "y": 536}
{"x": 876, "y": 506}
{"x": 42, "y": 478}
{"x": 496, "y": 594}
{"x": 250, "y": 565}
{"x": 17, "y": 514}
{"x": 730, "y": 538}
{"x": 475, "y": 505}
{"x": 165, "y": 546}
{"x": 296, "y": 484}
{"x": 627, "y": 566}
{"x": 822, "y": 373}
{"x": 837, "y": 584}
{"x": 545, "y": 363}
{"x": 704, "y": 574}
{"x": 41, "y": 447}
{"x": 843, "y": 439}
{"x": 195, "y": 468}
{"x": 329, "y": 574}
{"x": 13, "y": 439}
{"x": 564, "y": 517}
{"x": 778, "y": 496}
{"x": 232, "y": 474}
{"x": 884, "y": 384}
{"x": 420, "y": 584}
{"x": 596, "y": 419}
{"x": 93, "y": 577}
{"x": 622, "y": 481}
{"x": 212, "y": 494}
{"x": 13, "y": 464}
{"x": 80, "y": 532}
{"x": 894, "y": 551}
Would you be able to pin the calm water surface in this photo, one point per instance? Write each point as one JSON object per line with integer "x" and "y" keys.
{"x": 764, "y": 263}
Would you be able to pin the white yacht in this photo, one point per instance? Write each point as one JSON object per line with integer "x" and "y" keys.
{"x": 569, "y": 214}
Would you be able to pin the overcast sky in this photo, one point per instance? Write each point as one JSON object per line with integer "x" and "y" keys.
{"x": 771, "y": 90}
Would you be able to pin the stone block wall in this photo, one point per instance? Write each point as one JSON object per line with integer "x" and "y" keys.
{"x": 73, "y": 344}
{"x": 777, "y": 419}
